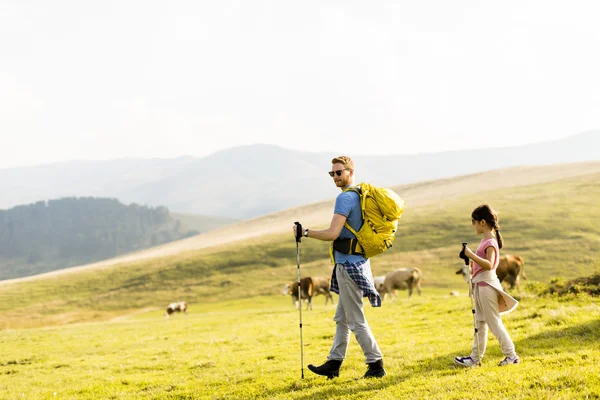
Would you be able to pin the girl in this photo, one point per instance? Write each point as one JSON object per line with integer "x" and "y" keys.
{"x": 490, "y": 298}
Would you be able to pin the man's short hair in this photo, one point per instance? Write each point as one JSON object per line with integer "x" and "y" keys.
{"x": 345, "y": 161}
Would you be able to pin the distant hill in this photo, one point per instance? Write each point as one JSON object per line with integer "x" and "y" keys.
{"x": 249, "y": 181}
{"x": 47, "y": 236}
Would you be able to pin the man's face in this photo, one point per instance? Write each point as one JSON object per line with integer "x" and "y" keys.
{"x": 341, "y": 176}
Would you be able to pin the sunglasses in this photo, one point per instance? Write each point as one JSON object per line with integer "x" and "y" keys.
{"x": 338, "y": 172}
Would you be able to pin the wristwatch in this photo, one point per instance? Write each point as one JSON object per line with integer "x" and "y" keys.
{"x": 306, "y": 232}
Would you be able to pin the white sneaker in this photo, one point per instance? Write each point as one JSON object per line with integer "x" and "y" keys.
{"x": 466, "y": 361}
{"x": 509, "y": 361}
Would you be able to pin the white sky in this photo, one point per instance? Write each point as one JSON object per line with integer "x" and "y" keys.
{"x": 111, "y": 79}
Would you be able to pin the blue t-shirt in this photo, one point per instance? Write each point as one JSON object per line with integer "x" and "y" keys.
{"x": 348, "y": 205}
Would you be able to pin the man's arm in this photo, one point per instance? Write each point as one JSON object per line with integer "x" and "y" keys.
{"x": 329, "y": 234}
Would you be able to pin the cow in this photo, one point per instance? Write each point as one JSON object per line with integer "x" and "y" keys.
{"x": 176, "y": 307}
{"x": 322, "y": 285}
{"x": 311, "y": 286}
{"x": 402, "y": 278}
{"x": 510, "y": 268}
{"x": 378, "y": 283}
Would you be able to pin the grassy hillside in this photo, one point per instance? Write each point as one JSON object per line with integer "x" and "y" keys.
{"x": 550, "y": 224}
{"x": 416, "y": 195}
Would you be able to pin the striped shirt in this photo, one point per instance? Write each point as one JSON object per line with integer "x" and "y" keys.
{"x": 364, "y": 283}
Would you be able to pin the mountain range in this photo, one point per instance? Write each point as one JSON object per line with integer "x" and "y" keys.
{"x": 249, "y": 181}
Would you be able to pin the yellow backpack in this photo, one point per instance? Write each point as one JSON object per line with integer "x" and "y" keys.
{"x": 381, "y": 211}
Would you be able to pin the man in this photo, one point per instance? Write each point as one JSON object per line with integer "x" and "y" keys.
{"x": 352, "y": 278}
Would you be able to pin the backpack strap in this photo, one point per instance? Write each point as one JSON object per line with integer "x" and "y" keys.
{"x": 355, "y": 247}
{"x": 348, "y": 246}
{"x": 357, "y": 190}
{"x": 361, "y": 192}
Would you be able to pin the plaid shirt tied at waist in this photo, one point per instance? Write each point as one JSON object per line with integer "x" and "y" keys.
{"x": 356, "y": 272}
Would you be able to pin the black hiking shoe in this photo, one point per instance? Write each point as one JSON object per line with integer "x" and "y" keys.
{"x": 375, "y": 370}
{"x": 330, "y": 369}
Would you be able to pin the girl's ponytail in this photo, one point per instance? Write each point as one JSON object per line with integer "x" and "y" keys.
{"x": 499, "y": 237}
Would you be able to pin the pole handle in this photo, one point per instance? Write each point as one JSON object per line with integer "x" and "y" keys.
{"x": 463, "y": 255}
{"x": 298, "y": 232}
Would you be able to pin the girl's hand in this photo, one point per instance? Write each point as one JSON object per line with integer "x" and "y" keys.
{"x": 469, "y": 253}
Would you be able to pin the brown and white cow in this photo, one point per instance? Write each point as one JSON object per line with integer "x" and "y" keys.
{"x": 311, "y": 286}
{"x": 402, "y": 278}
{"x": 176, "y": 307}
{"x": 510, "y": 268}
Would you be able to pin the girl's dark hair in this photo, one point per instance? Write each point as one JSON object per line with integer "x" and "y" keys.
{"x": 486, "y": 213}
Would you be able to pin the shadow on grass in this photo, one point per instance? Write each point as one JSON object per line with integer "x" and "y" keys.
{"x": 570, "y": 338}
{"x": 567, "y": 339}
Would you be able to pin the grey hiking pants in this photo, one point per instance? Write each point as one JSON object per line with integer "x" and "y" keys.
{"x": 486, "y": 306}
{"x": 350, "y": 316}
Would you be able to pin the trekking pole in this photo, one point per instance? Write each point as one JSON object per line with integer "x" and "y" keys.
{"x": 471, "y": 295}
{"x": 298, "y": 240}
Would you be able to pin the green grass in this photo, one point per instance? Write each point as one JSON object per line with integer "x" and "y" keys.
{"x": 251, "y": 349}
